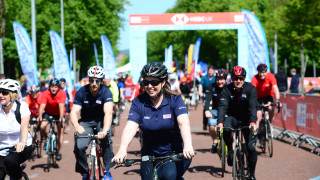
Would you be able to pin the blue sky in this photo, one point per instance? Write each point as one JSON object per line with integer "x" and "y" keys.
{"x": 140, "y": 7}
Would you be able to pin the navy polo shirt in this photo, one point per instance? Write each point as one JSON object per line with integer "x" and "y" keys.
{"x": 161, "y": 133}
{"x": 92, "y": 107}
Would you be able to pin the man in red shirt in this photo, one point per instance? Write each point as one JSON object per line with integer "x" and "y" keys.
{"x": 52, "y": 104}
{"x": 267, "y": 88}
{"x": 33, "y": 100}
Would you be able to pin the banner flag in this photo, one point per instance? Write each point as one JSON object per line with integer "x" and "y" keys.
{"x": 26, "y": 54}
{"x": 60, "y": 59}
{"x": 165, "y": 57}
{"x": 177, "y": 64}
{"x": 170, "y": 57}
{"x": 190, "y": 56}
{"x": 186, "y": 61}
{"x": 257, "y": 42}
{"x": 71, "y": 59}
{"x": 109, "y": 62}
{"x": 96, "y": 53}
{"x": 196, "y": 51}
{"x": 272, "y": 60}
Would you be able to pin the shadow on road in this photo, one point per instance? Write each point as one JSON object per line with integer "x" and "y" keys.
{"x": 203, "y": 150}
{"x": 44, "y": 167}
{"x": 214, "y": 171}
{"x": 201, "y": 133}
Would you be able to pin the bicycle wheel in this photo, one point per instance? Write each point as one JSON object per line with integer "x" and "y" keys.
{"x": 49, "y": 153}
{"x": 236, "y": 162}
{"x": 223, "y": 157}
{"x": 93, "y": 168}
{"x": 24, "y": 176}
{"x": 269, "y": 138}
{"x": 34, "y": 137}
{"x": 39, "y": 146}
{"x": 54, "y": 153}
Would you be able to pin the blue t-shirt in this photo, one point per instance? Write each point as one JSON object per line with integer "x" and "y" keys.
{"x": 92, "y": 107}
{"x": 120, "y": 84}
{"x": 205, "y": 82}
{"x": 161, "y": 133}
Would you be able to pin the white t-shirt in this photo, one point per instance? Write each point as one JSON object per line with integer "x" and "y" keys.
{"x": 10, "y": 129}
{"x": 175, "y": 85}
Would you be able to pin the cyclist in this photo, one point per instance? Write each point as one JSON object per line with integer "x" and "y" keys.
{"x": 113, "y": 87}
{"x": 14, "y": 121}
{"x": 204, "y": 83}
{"x": 174, "y": 83}
{"x": 163, "y": 118}
{"x": 186, "y": 91}
{"x": 52, "y": 104}
{"x": 239, "y": 101}
{"x": 69, "y": 98}
{"x": 213, "y": 94}
{"x": 33, "y": 100}
{"x": 92, "y": 108}
{"x": 267, "y": 88}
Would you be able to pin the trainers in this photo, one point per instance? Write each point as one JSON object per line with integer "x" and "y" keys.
{"x": 205, "y": 127}
{"x": 107, "y": 175}
{"x": 214, "y": 148}
{"x": 252, "y": 178}
{"x": 45, "y": 145}
{"x": 230, "y": 158}
{"x": 85, "y": 177}
{"x": 58, "y": 156}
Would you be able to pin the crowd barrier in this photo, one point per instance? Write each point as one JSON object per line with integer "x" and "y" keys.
{"x": 299, "y": 119}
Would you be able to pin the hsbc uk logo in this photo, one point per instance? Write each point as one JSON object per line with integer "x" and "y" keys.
{"x": 180, "y": 19}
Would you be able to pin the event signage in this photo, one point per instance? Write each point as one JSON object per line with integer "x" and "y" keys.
{"x": 190, "y": 56}
{"x": 169, "y": 60}
{"x": 60, "y": 59}
{"x": 196, "y": 51}
{"x": 26, "y": 54}
{"x": 257, "y": 42}
{"x": 109, "y": 63}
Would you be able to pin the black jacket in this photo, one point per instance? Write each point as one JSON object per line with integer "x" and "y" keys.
{"x": 282, "y": 81}
{"x": 213, "y": 93}
{"x": 241, "y": 105}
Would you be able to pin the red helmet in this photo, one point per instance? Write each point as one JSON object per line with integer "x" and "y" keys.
{"x": 221, "y": 73}
{"x": 262, "y": 67}
{"x": 238, "y": 71}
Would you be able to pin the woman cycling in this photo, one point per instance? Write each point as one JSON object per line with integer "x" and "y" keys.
{"x": 13, "y": 129}
{"x": 162, "y": 116}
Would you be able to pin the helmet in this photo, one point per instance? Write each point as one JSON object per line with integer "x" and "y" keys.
{"x": 63, "y": 80}
{"x": 155, "y": 69}
{"x": 262, "y": 67}
{"x": 34, "y": 89}
{"x": 238, "y": 71}
{"x": 54, "y": 82}
{"x": 183, "y": 79}
{"x": 172, "y": 76}
{"x": 221, "y": 73}
{"x": 10, "y": 85}
{"x": 96, "y": 71}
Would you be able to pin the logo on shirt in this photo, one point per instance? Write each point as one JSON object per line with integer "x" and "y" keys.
{"x": 109, "y": 98}
{"x": 244, "y": 95}
{"x": 86, "y": 102}
{"x": 167, "y": 116}
{"x": 98, "y": 101}
{"x": 147, "y": 117}
{"x": 267, "y": 85}
{"x": 215, "y": 94}
{"x": 182, "y": 107}
{"x": 130, "y": 114}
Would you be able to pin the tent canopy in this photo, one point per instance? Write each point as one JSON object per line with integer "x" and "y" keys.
{"x": 124, "y": 68}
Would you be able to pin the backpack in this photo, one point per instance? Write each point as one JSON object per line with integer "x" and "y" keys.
{"x": 17, "y": 113}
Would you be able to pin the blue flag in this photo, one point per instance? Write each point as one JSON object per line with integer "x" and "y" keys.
{"x": 170, "y": 59}
{"x": 109, "y": 63}
{"x": 60, "y": 59}
{"x": 96, "y": 53}
{"x": 196, "y": 52}
{"x": 257, "y": 42}
{"x": 26, "y": 54}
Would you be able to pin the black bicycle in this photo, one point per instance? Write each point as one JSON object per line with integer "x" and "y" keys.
{"x": 36, "y": 137}
{"x": 23, "y": 166}
{"x": 172, "y": 157}
{"x": 52, "y": 146}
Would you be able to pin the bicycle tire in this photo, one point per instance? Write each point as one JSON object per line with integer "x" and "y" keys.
{"x": 93, "y": 168}
{"x": 269, "y": 139}
{"x": 39, "y": 147}
{"x": 34, "y": 137}
{"x": 54, "y": 153}
{"x": 24, "y": 176}
{"x": 223, "y": 157}
{"x": 235, "y": 165}
{"x": 49, "y": 154}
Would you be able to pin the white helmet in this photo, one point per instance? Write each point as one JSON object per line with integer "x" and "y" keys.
{"x": 173, "y": 76}
{"x": 96, "y": 71}
{"x": 10, "y": 85}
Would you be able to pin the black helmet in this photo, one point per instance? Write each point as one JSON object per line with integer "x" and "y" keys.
{"x": 54, "y": 82}
{"x": 221, "y": 73}
{"x": 155, "y": 69}
{"x": 34, "y": 89}
{"x": 238, "y": 71}
{"x": 63, "y": 80}
{"x": 262, "y": 67}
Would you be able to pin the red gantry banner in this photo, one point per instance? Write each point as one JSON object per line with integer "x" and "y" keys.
{"x": 299, "y": 114}
{"x": 187, "y": 18}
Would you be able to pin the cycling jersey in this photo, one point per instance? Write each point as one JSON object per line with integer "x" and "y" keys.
{"x": 114, "y": 90}
{"x": 239, "y": 104}
{"x": 52, "y": 101}
{"x": 185, "y": 90}
{"x": 162, "y": 134}
{"x": 206, "y": 81}
{"x": 34, "y": 104}
{"x": 264, "y": 87}
{"x": 213, "y": 93}
{"x": 92, "y": 107}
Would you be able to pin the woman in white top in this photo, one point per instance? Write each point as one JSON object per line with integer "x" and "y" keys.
{"x": 13, "y": 132}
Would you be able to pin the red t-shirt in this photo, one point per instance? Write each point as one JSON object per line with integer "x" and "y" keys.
{"x": 34, "y": 104}
{"x": 264, "y": 87}
{"x": 52, "y": 103}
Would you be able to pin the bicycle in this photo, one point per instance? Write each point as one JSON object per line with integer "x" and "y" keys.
{"x": 222, "y": 151}
{"x": 23, "y": 166}
{"x": 172, "y": 157}
{"x": 240, "y": 166}
{"x": 36, "y": 137}
{"x": 266, "y": 130}
{"x": 96, "y": 170}
{"x": 51, "y": 145}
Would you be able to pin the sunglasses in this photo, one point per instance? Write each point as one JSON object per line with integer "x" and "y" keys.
{"x": 261, "y": 72}
{"x": 152, "y": 82}
{"x": 92, "y": 81}
{"x": 238, "y": 78}
{"x": 4, "y": 92}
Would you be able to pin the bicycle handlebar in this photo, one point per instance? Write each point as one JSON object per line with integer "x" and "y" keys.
{"x": 264, "y": 106}
{"x": 11, "y": 148}
{"x": 90, "y": 136}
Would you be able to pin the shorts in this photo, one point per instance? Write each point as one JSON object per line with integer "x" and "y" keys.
{"x": 45, "y": 117}
{"x": 264, "y": 100}
{"x": 213, "y": 121}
